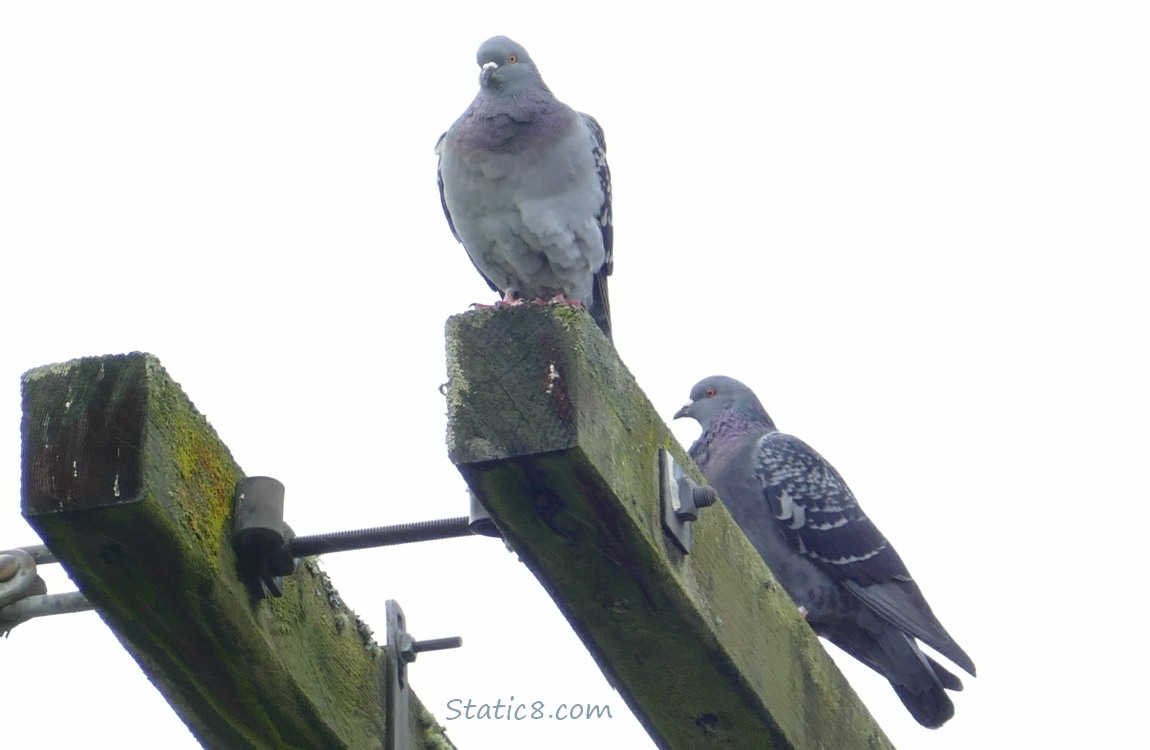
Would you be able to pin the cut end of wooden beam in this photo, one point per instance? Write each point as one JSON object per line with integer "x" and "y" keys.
{"x": 83, "y": 432}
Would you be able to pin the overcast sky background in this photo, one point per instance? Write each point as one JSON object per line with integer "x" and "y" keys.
{"x": 918, "y": 232}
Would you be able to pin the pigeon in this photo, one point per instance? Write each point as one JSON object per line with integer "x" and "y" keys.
{"x": 524, "y": 183}
{"x": 845, "y": 577}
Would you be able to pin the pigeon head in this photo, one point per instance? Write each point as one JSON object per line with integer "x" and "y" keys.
{"x": 722, "y": 396}
{"x": 505, "y": 67}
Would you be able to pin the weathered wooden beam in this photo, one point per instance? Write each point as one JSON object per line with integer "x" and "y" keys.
{"x": 132, "y": 490}
{"x": 552, "y": 433}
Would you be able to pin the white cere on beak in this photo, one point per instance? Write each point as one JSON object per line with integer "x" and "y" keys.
{"x": 490, "y": 65}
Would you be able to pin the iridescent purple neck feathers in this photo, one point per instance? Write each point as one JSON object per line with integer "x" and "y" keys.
{"x": 728, "y": 427}
{"x": 495, "y": 122}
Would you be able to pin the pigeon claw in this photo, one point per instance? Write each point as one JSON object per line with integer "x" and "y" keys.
{"x": 560, "y": 299}
{"x": 510, "y": 299}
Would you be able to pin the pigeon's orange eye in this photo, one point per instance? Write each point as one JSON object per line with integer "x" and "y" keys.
{"x": 513, "y": 59}
{"x": 709, "y": 392}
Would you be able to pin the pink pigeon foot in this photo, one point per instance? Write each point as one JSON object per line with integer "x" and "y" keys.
{"x": 561, "y": 299}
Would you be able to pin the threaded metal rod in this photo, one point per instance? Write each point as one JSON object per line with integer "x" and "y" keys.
{"x": 380, "y": 536}
{"x": 41, "y": 606}
{"x": 41, "y": 554}
{"x": 436, "y": 644}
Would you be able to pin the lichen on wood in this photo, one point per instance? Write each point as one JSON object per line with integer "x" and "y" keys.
{"x": 555, "y": 437}
{"x": 132, "y": 489}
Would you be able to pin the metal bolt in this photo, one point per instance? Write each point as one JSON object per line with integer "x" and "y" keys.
{"x": 405, "y": 647}
{"x": 704, "y": 495}
{"x": 437, "y": 644}
{"x": 41, "y": 605}
{"x": 9, "y": 567}
{"x": 409, "y": 647}
{"x": 342, "y": 541}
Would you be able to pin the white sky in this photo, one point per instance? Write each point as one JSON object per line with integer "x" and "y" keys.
{"x": 918, "y": 232}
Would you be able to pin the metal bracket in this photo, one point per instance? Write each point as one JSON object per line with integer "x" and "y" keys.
{"x": 268, "y": 549}
{"x": 400, "y": 651}
{"x": 259, "y": 534}
{"x": 23, "y": 593}
{"x": 681, "y": 498}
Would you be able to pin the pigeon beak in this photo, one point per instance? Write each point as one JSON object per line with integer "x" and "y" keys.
{"x": 486, "y": 71}
{"x": 684, "y": 412}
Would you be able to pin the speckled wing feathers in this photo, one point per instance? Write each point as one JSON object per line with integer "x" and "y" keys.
{"x": 823, "y": 519}
{"x": 821, "y": 522}
{"x": 830, "y": 558}
{"x": 825, "y": 524}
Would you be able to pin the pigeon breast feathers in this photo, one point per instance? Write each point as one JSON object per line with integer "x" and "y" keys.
{"x": 525, "y": 187}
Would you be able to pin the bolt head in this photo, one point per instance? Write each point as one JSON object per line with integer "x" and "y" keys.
{"x": 405, "y": 648}
{"x": 9, "y": 567}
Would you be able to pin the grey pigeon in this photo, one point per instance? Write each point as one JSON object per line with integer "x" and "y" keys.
{"x": 525, "y": 187}
{"x": 800, "y": 515}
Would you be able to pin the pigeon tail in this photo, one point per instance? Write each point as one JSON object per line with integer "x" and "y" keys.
{"x": 600, "y": 310}
{"x": 830, "y": 558}
{"x": 920, "y": 681}
{"x": 949, "y": 680}
{"x": 932, "y": 708}
{"x": 916, "y": 679}
{"x": 902, "y": 604}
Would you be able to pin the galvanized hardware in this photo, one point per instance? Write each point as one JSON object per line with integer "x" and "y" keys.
{"x": 23, "y": 593}
{"x": 379, "y": 536}
{"x": 9, "y": 566}
{"x": 18, "y": 577}
{"x": 42, "y": 605}
{"x": 268, "y": 548}
{"x": 400, "y": 651}
{"x": 479, "y": 519}
{"x": 681, "y": 498}
{"x": 259, "y": 534}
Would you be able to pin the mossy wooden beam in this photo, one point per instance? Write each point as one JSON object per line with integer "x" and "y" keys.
{"x": 552, "y": 433}
{"x": 132, "y": 490}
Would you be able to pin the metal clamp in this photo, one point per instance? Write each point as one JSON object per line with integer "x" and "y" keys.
{"x": 268, "y": 548}
{"x": 681, "y": 498}
{"x": 23, "y": 593}
{"x": 400, "y": 651}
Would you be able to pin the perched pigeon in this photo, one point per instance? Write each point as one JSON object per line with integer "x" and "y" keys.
{"x": 802, "y": 518}
{"x": 525, "y": 187}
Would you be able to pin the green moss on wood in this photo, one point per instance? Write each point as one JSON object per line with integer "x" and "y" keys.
{"x": 156, "y": 559}
{"x": 562, "y": 447}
